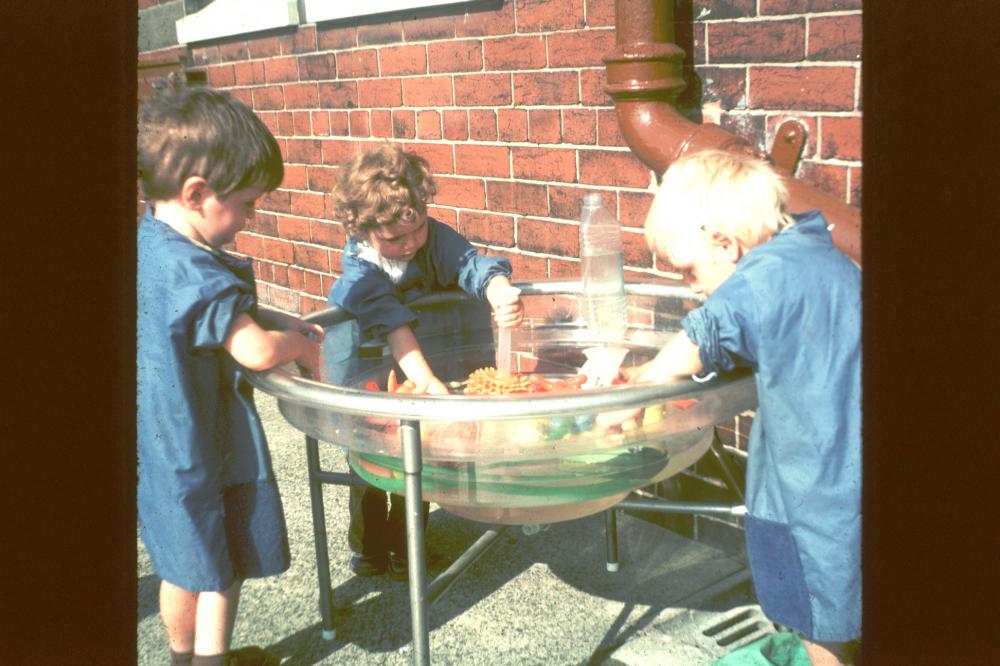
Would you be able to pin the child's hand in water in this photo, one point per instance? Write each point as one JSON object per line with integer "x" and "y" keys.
{"x": 436, "y": 387}
{"x": 631, "y": 374}
{"x": 624, "y": 418}
{"x": 620, "y": 419}
{"x": 429, "y": 386}
{"x": 508, "y": 310}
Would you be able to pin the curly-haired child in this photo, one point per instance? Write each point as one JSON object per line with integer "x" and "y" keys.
{"x": 396, "y": 253}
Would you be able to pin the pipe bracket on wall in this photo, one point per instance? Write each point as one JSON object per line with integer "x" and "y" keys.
{"x": 787, "y": 147}
{"x": 644, "y": 78}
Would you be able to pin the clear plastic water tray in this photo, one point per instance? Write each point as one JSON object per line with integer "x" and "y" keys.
{"x": 519, "y": 458}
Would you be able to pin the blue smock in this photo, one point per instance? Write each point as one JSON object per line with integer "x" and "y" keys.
{"x": 379, "y": 303}
{"x": 791, "y": 311}
{"x": 208, "y": 504}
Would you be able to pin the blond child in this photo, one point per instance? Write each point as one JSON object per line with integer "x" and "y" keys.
{"x": 396, "y": 253}
{"x": 209, "y": 510}
{"x": 784, "y": 302}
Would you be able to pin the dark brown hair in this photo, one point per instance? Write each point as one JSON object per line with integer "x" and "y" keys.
{"x": 189, "y": 131}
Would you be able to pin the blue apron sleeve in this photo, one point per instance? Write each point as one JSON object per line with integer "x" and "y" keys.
{"x": 366, "y": 291}
{"x": 456, "y": 261}
{"x": 211, "y": 326}
{"x": 723, "y": 327}
{"x": 211, "y": 297}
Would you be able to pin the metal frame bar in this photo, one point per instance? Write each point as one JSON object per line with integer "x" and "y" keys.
{"x": 421, "y": 592}
{"x": 409, "y": 432}
{"x": 668, "y": 506}
{"x": 443, "y": 581}
{"x": 326, "y": 608}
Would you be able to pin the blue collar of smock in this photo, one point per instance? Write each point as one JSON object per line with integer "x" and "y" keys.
{"x": 810, "y": 222}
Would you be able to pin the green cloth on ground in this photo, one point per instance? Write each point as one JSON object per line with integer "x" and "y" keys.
{"x": 780, "y": 649}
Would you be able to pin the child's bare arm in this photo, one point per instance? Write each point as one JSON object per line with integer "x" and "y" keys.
{"x": 406, "y": 351}
{"x": 258, "y": 349}
{"x": 678, "y": 358}
{"x": 270, "y": 319}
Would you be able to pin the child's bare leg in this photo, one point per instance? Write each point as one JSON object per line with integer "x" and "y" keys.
{"x": 177, "y": 609}
{"x": 821, "y": 655}
{"x": 215, "y": 619}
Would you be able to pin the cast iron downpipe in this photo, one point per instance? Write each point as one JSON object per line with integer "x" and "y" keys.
{"x": 644, "y": 79}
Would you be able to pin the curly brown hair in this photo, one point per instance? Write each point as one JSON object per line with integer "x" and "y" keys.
{"x": 382, "y": 186}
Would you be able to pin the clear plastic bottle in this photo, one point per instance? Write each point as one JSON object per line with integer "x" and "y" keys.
{"x": 602, "y": 264}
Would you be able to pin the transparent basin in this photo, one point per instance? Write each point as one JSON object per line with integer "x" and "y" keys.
{"x": 522, "y": 458}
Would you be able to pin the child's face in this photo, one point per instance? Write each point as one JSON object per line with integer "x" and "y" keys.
{"x": 400, "y": 240}
{"x": 711, "y": 265}
{"x": 222, "y": 219}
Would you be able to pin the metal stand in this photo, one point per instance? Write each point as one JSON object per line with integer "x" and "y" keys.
{"x": 421, "y": 592}
{"x": 444, "y": 580}
{"x": 668, "y": 506}
{"x": 409, "y": 431}
{"x": 611, "y": 538}
{"x": 326, "y": 609}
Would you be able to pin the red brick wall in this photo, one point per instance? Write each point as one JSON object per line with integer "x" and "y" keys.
{"x": 508, "y": 107}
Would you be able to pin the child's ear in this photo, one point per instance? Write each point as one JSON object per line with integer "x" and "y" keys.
{"x": 194, "y": 190}
{"x": 729, "y": 248}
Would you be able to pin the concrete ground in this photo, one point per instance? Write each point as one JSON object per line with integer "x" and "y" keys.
{"x": 546, "y": 598}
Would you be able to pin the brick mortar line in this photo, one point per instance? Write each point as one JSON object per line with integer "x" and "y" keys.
{"x": 558, "y": 183}
{"x": 467, "y": 142}
{"x": 544, "y": 107}
{"x": 767, "y": 18}
{"x": 785, "y": 65}
{"x": 556, "y": 146}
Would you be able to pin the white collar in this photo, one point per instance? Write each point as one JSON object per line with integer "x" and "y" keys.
{"x": 394, "y": 268}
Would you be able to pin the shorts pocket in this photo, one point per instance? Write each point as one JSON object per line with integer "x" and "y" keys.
{"x": 778, "y": 577}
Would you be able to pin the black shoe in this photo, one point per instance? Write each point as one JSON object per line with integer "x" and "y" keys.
{"x": 368, "y": 565}
{"x": 251, "y": 656}
{"x": 398, "y": 566}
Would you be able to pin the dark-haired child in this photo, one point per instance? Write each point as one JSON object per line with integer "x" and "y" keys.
{"x": 209, "y": 510}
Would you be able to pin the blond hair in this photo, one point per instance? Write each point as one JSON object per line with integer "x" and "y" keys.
{"x": 382, "y": 186}
{"x": 715, "y": 190}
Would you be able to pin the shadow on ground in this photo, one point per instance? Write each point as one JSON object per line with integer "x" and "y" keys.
{"x": 148, "y": 597}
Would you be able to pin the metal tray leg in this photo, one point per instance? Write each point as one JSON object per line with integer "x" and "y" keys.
{"x": 326, "y": 608}
{"x": 412, "y": 467}
{"x": 611, "y": 538}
